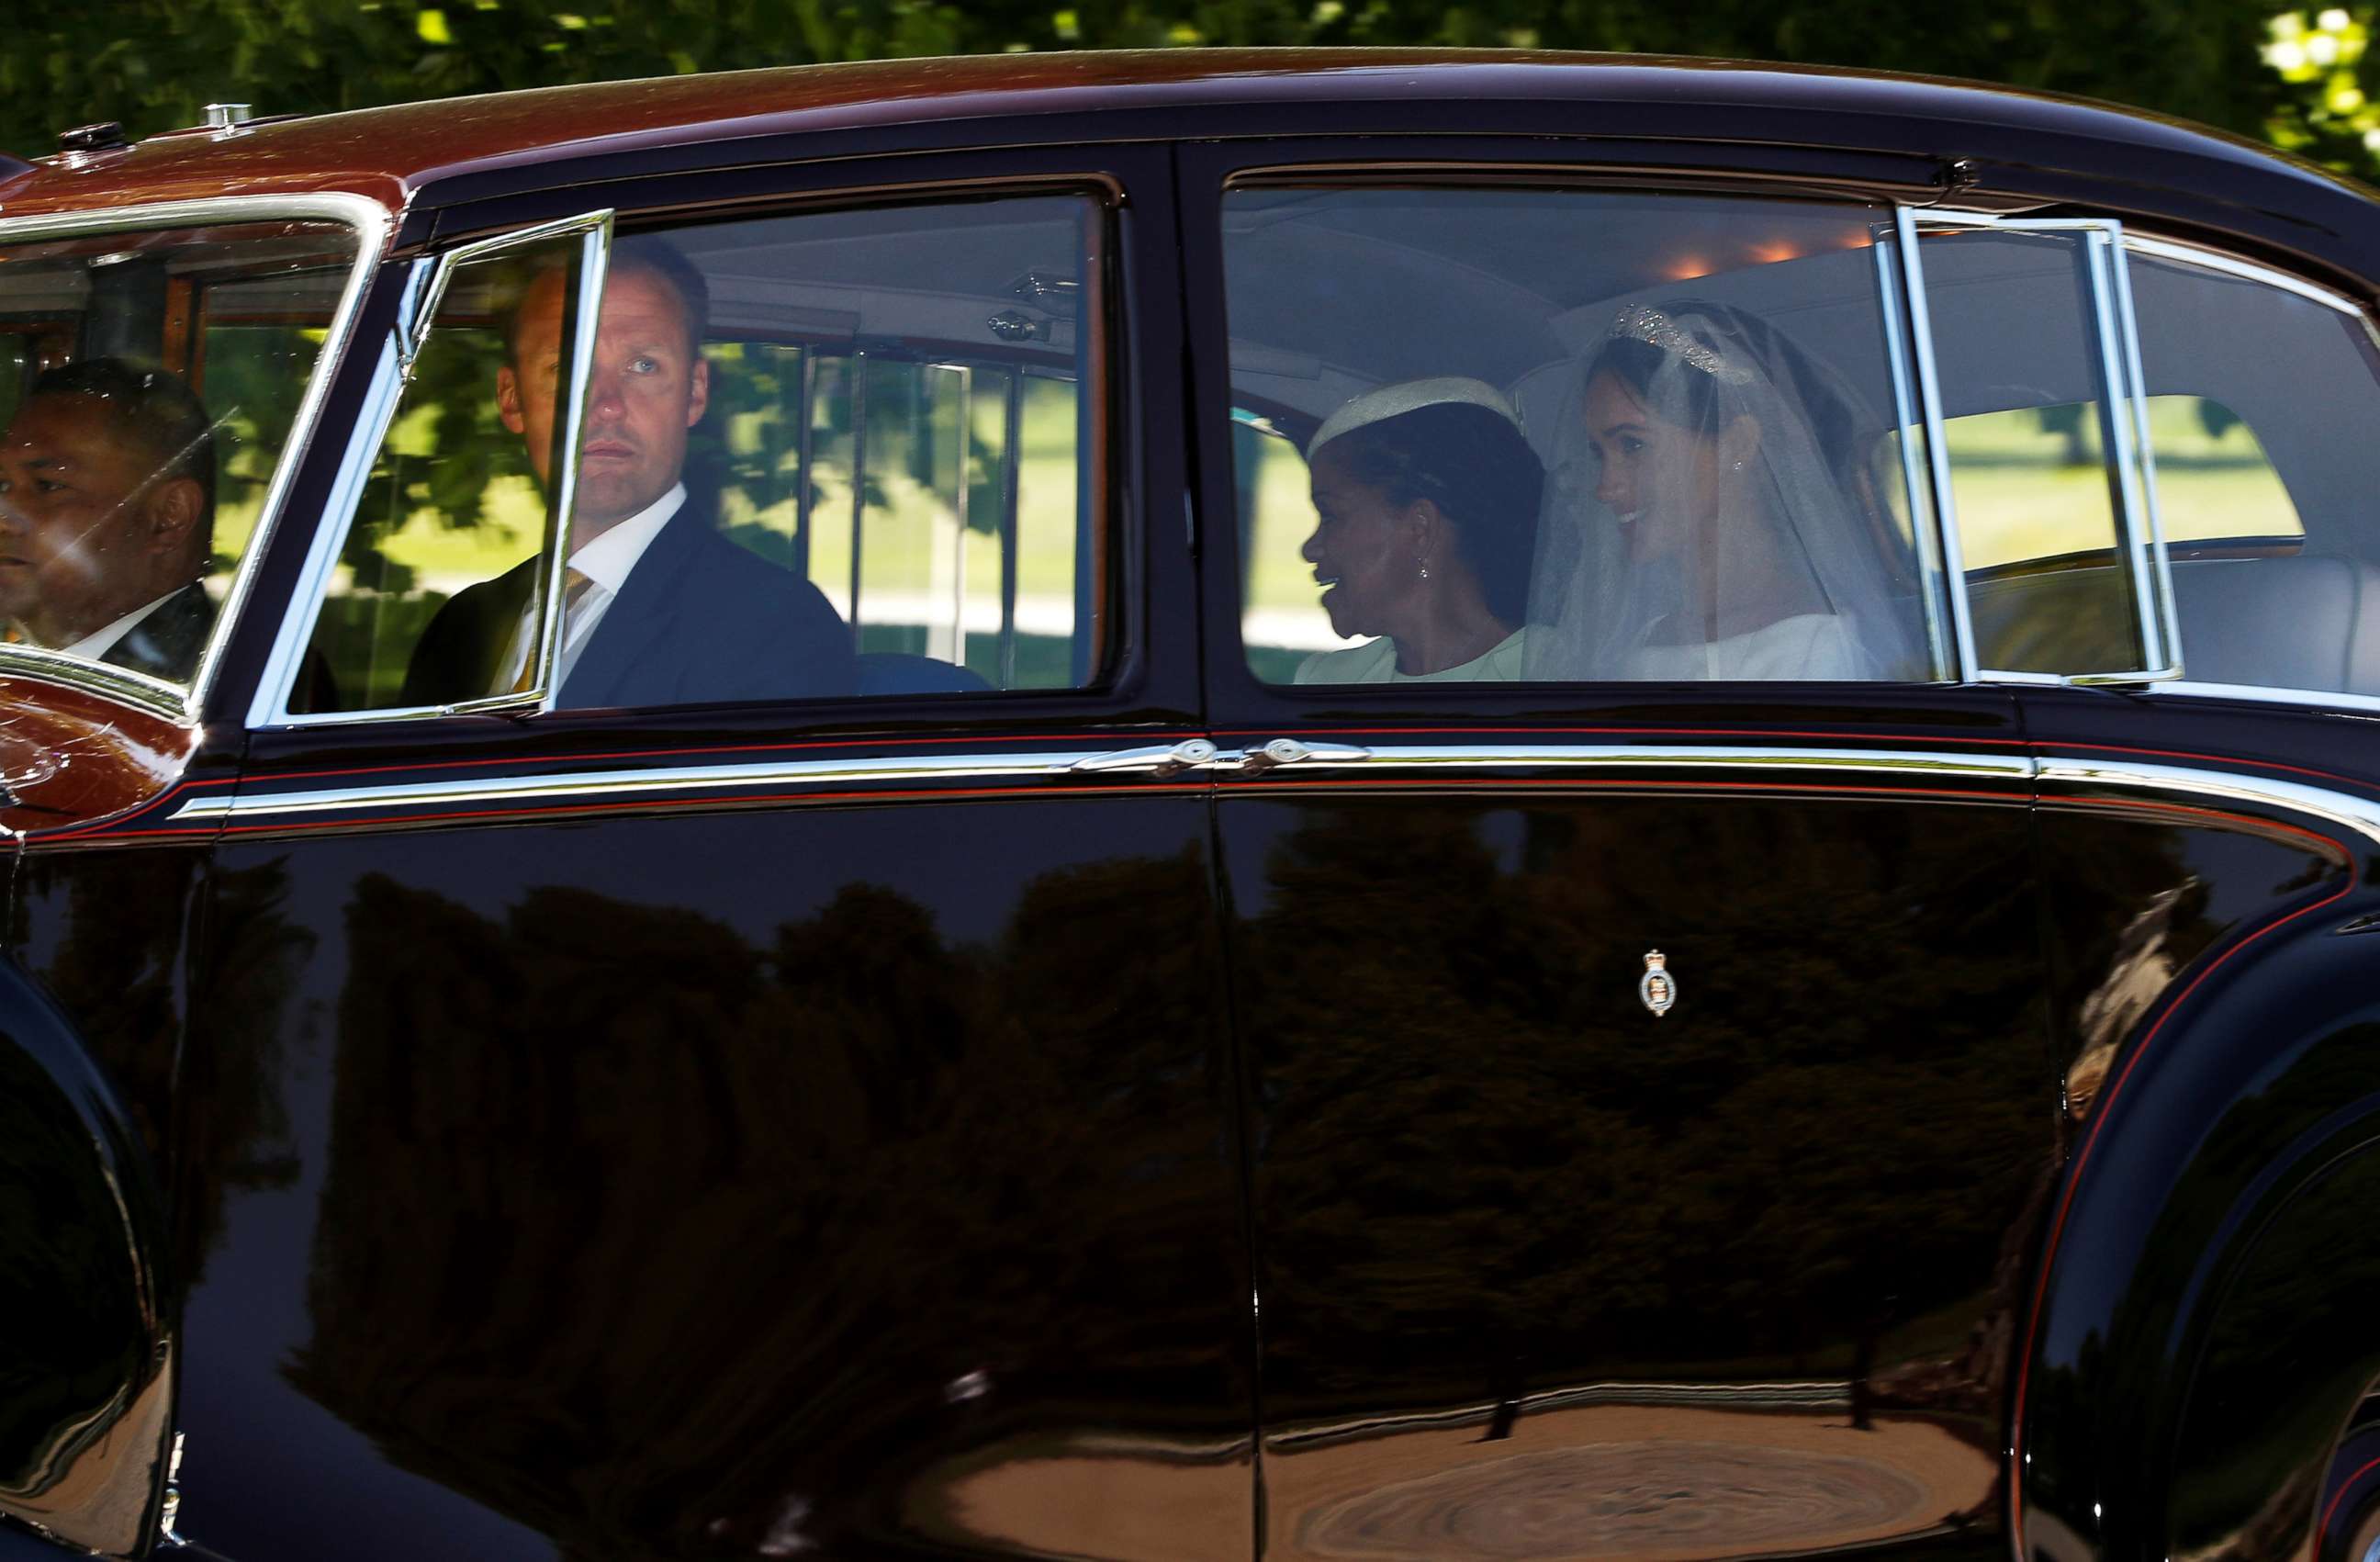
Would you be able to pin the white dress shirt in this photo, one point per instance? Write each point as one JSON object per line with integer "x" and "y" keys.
{"x": 97, "y": 644}
{"x": 607, "y": 562}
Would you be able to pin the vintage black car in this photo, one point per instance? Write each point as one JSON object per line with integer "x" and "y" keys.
{"x": 1789, "y": 983}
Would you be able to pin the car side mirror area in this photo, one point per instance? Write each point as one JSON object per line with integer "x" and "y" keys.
{"x": 86, "y": 1379}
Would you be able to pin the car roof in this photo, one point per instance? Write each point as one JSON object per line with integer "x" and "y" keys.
{"x": 427, "y": 154}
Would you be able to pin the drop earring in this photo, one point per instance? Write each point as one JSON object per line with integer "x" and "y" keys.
{"x": 1424, "y": 567}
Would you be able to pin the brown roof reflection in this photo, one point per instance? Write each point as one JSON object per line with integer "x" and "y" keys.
{"x": 389, "y": 153}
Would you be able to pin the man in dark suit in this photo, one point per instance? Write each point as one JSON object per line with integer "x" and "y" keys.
{"x": 658, "y": 608}
{"x": 107, "y": 481}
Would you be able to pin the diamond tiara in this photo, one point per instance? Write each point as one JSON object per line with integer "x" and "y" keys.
{"x": 1642, "y": 323}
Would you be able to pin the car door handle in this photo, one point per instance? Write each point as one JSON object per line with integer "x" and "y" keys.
{"x": 1290, "y": 750}
{"x": 1160, "y": 761}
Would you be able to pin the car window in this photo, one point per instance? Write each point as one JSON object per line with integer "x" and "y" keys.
{"x": 452, "y": 502}
{"x": 139, "y": 441}
{"x": 2042, "y": 569}
{"x": 2035, "y": 484}
{"x": 2043, "y": 448}
{"x": 2256, "y": 393}
{"x": 243, "y": 360}
{"x": 2273, "y": 585}
{"x": 1486, "y": 436}
{"x": 1281, "y": 621}
{"x": 868, "y": 475}
{"x": 941, "y": 511}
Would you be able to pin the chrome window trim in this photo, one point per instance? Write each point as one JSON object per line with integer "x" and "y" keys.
{"x": 2128, "y": 423}
{"x": 1938, "y": 450}
{"x": 1943, "y": 643}
{"x": 269, "y": 705}
{"x": 374, "y": 230}
{"x": 2127, "y": 327}
{"x": 2157, "y": 627}
{"x": 2248, "y": 271}
{"x": 155, "y": 695}
{"x": 424, "y": 289}
{"x": 594, "y": 262}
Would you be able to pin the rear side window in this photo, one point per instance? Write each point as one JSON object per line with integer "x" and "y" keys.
{"x": 2261, "y": 398}
{"x": 2035, "y": 484}
{"x": 2277, "y": 571}
{"x": 2042, "y": 566}
{"x": 1492, "y": 436}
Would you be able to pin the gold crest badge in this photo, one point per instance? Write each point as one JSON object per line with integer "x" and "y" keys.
{"x": 1657, "y": 987}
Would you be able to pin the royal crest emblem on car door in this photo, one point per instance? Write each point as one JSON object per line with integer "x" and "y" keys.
{"x": 1656, "y": 987}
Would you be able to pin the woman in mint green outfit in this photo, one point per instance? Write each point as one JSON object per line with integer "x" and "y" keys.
{"x": 1427, "y": 497}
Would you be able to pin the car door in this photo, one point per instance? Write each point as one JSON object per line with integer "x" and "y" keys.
{"x": 1652, "y": 1106}
{"x": 756, "y": 1126}
{"x": 137, "y": 475}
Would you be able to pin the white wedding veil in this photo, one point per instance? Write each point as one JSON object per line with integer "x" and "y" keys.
{"x": 1706, "y": 515}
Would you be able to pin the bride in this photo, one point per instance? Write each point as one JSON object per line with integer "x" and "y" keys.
{"x": 1707, "y": 517}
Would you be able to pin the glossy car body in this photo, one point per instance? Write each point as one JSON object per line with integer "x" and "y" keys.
{"x": 937, "y": 1125}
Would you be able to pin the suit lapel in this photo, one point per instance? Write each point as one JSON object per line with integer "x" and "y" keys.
{"x": 628, "y": 638}
{"x": 492, "y": 642}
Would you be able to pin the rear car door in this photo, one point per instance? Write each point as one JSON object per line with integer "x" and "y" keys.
{"x": 1652, "y": 1103}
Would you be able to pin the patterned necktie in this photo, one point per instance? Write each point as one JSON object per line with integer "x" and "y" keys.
{"x": 575, "y": 587}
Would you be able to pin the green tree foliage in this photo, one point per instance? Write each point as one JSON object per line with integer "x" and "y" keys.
{"x": 2326, "y": 110}
{"x": 152, "y": 63}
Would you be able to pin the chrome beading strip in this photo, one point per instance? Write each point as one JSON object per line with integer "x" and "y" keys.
{"x": 2342, "y": 811}
{"x": 2356, "y": 815}
{"x": 1640, "y": 756}
{"x": 597, "y": 787}
{"x": 2354, "y": 706}
{"x": 373, "y": 230}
